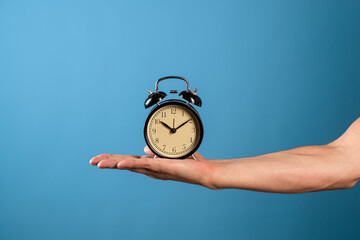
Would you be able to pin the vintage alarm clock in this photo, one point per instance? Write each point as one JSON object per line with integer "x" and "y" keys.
{"x": 173, "y": 128}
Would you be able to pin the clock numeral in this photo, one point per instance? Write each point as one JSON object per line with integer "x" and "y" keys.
{"x": 182, "y": 113}
{"x": 164, "y": 146}
{"x": 191, "y": 140}
{"x": 193, "y": 129}
{"x": 191, "y": 121}
{"x": 157, "y": 121}
{"x": 174, "y": 149}
{"x": 153, "y": 130}
{"x": 173, "y": 110}
{"x": 184, "y": 147}
{"x": 156, "y": 140}
{"x": 163, "y": 114}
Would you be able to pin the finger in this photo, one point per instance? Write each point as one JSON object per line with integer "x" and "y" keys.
{"x": 148, "y": 151}
{"x": 108, "y": 163}
{"x": 95, "y": 160}
{"x": 155, "y": 165}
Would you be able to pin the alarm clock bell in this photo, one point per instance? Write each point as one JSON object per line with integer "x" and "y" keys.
{"x": 157, "y": 96}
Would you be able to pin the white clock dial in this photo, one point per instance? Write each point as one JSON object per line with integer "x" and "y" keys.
{"x": 173, "y": 131}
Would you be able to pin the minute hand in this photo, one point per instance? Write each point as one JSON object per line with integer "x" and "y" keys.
{"x": 182, "y": 124}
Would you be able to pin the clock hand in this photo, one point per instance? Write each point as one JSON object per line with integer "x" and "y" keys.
{"x": 166, "y": 125}
{"x": 182, "y": 124}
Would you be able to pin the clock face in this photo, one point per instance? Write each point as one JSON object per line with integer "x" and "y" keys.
{"x": 173, "y": 130}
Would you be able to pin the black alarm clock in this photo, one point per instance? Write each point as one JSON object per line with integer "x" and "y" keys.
{"x": 173, "y": 128}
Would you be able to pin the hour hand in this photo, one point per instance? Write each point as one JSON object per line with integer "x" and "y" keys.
{"x": 166, "y": 125}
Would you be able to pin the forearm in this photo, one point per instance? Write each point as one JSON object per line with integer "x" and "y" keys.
{"x": 304, "y": 169}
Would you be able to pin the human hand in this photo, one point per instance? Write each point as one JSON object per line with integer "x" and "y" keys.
{"x": 304, "y": 169}
{"x": 189, "y": 170}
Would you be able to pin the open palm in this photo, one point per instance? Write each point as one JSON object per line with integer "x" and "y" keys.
{"x": 188, "y": 170}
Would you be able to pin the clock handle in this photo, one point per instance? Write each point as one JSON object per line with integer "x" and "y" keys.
{"x": 173, "y": 77}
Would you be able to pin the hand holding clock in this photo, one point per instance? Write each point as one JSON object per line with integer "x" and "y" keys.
{"x": 305, "y": 169}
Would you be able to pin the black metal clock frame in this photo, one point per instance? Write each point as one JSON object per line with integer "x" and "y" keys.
{"x": 174, "y": 102}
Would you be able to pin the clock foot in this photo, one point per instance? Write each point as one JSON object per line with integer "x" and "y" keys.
{"x": 191, "y": 155}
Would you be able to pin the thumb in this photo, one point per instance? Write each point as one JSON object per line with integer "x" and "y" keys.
{"x": 198, "y": 156}
{"x": 148, "y": 151}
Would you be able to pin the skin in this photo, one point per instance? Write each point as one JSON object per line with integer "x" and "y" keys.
{"x": 305, "y": 169}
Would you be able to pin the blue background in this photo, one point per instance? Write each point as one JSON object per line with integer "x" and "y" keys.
{"x": 272, "y": 75}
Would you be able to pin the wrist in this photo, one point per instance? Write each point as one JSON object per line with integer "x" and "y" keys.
{"x": 218, "y": 174}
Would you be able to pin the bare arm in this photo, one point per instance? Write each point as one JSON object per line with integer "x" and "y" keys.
{"x": 305, "y": 169}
